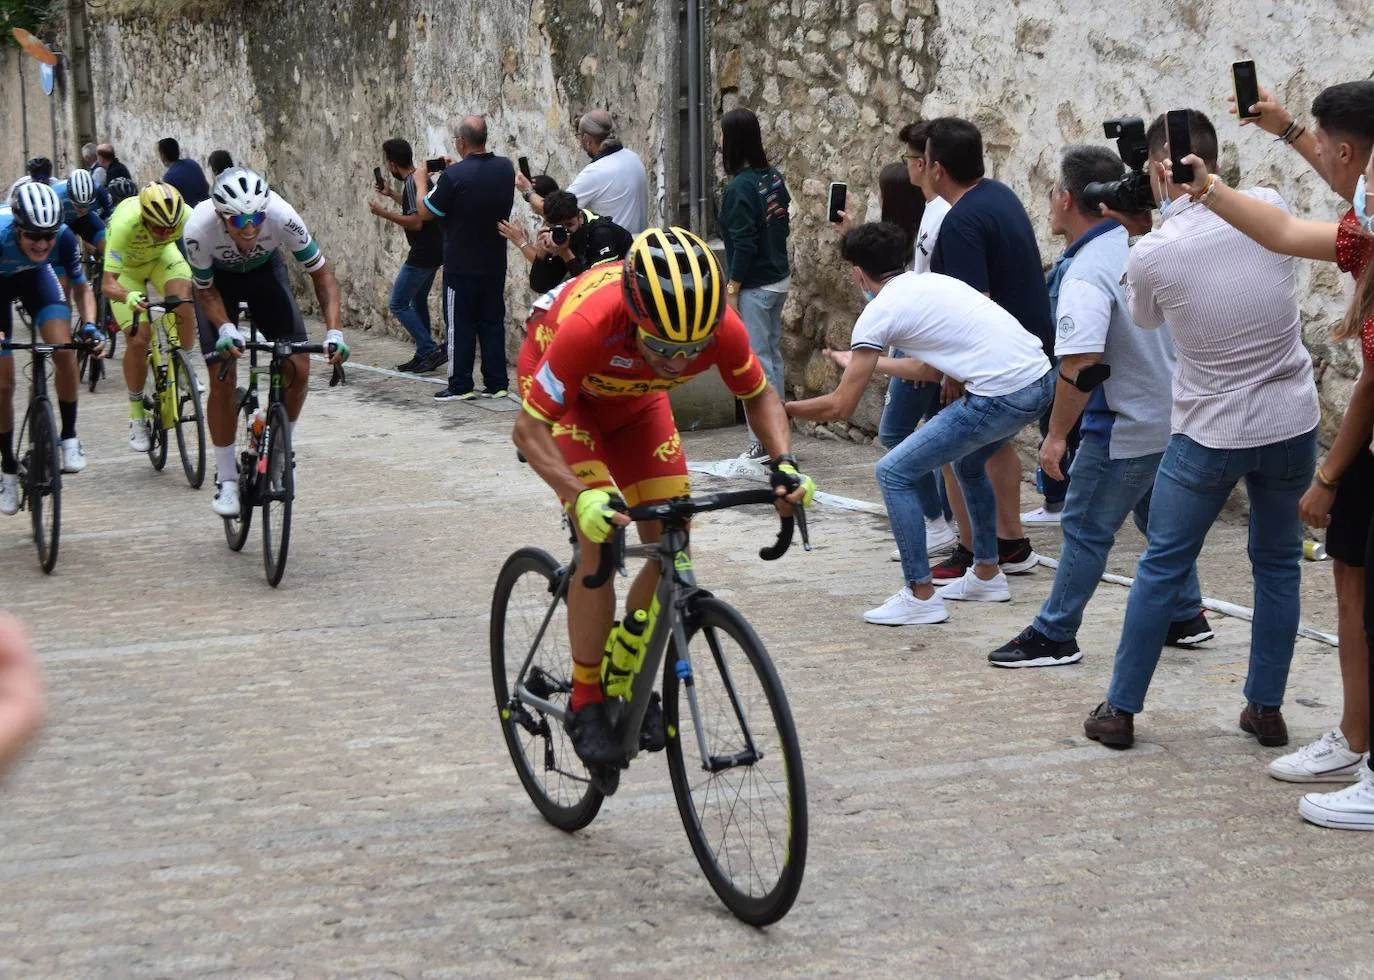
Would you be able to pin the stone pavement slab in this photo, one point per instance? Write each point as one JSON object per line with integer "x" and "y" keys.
{"x": 311, "y": 781}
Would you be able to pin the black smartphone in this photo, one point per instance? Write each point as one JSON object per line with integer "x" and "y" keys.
{"x": 1092, "y": 376}
{"x": 377, "y": 178}
{"x": 433, "y": 166}
{"x": 839, "y": 193}
{"x": 1246, "y": 85}
{"x": 524, "y": 164}
{"x": 1180, "y": 145}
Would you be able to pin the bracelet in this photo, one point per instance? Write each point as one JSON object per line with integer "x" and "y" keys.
{"x": 1065, "y": 378}
{"x": 1326, "y": 481}
{"x": 1207, "y": 191}
{"x": 526, "y": 195}
{"x": 1283, "y": 136}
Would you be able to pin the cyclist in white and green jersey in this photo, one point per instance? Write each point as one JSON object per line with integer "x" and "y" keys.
{"x": 234, "y": 241}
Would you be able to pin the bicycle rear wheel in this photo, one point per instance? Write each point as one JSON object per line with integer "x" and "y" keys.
{"x": 41, "y": 479}
{"x": 744, "y": 805}
{"x": 278, "y": 486}
{"x": 190, "y": 421}
{"x": 549, "y": 769}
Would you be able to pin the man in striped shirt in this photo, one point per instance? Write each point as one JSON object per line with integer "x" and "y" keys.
{"x": 1245, "y": 407}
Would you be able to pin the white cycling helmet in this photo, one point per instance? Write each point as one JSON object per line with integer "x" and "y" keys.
{"x": 81, "y": 188}
{"x": 239, "y": 191}
{"x": 35, "y": 206}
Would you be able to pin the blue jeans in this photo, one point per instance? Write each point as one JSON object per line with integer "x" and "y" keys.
{"x": 475, "y": 313}
{"x": 908, "y": 403}
{"x": 409, "y": 303}
{"x": 1102, "y": 492}
{"x": 761, "y": 311}
{"x": 1190, "y": 490}
{"x": 966, "y": 433}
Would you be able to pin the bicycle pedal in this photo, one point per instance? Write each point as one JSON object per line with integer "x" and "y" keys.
{"x": 605, "y": 778}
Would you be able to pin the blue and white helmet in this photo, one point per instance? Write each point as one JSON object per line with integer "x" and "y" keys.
{"x": 81, "y": 188}
{"x": 35, "y": 206}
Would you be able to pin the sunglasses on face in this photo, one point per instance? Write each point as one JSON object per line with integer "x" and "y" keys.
{"x": 241, "y": 221}
{"x": 670, "y": 351}
{"x": 41, "y": 237}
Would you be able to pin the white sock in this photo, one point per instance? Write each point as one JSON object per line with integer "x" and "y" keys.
{"x": 291, "y": 427}
{"x": 226, "y": 466}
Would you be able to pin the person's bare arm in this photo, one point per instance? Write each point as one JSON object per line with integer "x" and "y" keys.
{"x": 21, "y": 695}
{"x": 535, "y": 441}
{"x": 1069, "y": 403}
{"x": 1275, "y": 119}
{"x": 840, "y": 403}
{"x": 327, "y": 294}
{"x": 1272, "y": 227}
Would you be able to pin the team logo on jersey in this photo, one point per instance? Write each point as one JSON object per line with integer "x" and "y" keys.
{"x": 670, "y": 449}
{"x": 574, "y": 433}
{"x": 622, "y": 362}
{"x": 549, "y": 382}
{"x": 295, "y": 227}
{"x": 1066, "y": 327}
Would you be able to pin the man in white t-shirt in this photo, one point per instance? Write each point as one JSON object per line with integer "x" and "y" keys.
{"x": 614, "y": 185}
{"x": 950, "y": 330}
{"x": 914, "y": 136}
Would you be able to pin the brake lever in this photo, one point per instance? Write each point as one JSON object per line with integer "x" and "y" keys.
{"x": 799, "y": 512}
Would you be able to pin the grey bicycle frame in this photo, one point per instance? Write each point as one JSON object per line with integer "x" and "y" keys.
{"x": 677, "y": 588}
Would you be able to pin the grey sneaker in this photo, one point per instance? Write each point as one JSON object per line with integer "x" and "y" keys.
{"x": 756, "y": 453}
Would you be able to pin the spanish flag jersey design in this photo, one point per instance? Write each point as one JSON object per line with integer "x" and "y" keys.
{"x": 584, "y": 347}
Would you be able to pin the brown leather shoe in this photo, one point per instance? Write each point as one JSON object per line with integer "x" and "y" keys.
{"x": 1266, "y": 724}
{"x": 1114, "y": 729}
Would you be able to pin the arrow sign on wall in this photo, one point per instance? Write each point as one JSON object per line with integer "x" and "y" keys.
{"x": 34, "y": 48}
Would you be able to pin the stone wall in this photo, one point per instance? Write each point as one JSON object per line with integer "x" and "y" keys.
{"x": 834, "y": 80}
{"x": 308, "y": 91}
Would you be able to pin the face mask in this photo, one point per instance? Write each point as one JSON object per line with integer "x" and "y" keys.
{"x": 869, "y": 295}
{"x": 1164, "y": 207}
{"x": 1365, "y": 220}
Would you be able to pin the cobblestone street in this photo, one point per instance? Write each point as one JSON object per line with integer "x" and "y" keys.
{"x": 311, "y": 781}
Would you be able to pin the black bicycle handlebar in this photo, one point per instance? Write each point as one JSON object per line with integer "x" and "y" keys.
{"x": 684, "y": 508}
{"x": 296, "y": 347}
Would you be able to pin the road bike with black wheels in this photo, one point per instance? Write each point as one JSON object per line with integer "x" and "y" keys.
{"x": 91, "y": 368}
{"x": 267, "y": 464}
{"x": 733, "y": 755}
{"x": 40, "y": 454}
{"x": 172, "y": 399}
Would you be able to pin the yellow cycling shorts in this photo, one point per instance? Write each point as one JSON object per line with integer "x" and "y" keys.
{"x": 169, "y": 265}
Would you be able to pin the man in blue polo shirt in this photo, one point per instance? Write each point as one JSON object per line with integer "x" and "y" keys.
{"x": 987, "y": 241}
{"x": 1126, "y": 419}
{"x": 469, "y": 200}
{"x": 185, "y": 175}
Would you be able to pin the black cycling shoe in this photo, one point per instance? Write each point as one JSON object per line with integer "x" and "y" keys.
{"x": 593, "y": 737}
{"x": 652, "y": 735}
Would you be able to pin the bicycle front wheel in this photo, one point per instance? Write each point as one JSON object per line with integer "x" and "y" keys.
{"x": 736, "y": 764}
{"x": 42, "y": 480}
{"x": 157, "y": 425}
{"x": 524, "y": 613}
{"x": 278, "y": 488}
{"x": 190, "y": 420}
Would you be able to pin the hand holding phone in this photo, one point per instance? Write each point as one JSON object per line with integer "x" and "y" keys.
{"x": 1245, "y": 83}
{"x": 377, "y": 179}
{"x": 838, "y": 194}
{"x": 524, "y": 164}
{"x": 434, "y": 165}
{"x": 1180, "y": 146}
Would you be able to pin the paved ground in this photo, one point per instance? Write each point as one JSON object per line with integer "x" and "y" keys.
{"x": 310, "y": 781}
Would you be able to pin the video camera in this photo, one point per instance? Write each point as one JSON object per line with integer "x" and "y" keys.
{"x": 1133, "y": 192}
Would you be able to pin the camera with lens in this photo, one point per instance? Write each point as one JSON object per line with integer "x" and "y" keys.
{"x": 559, "y": 234}
{"x": 1133, "y": 192}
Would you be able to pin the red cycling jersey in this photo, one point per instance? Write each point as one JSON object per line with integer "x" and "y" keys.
{"x": 581, "y": 372}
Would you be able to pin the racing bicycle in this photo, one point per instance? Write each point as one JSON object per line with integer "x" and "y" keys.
{"x": 732, "y": 750}
{"x": 91, "y": 368}
{"x": 172, "y": 397}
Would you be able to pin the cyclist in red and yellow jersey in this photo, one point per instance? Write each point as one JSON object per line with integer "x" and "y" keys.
{"x": 594, "y": 374}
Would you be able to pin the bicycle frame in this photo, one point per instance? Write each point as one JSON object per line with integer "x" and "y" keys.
{"x": 163, "y": 343}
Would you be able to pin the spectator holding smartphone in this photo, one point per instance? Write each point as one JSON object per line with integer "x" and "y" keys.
{"x": 1341, "y": 497}
{"x": 409, "y": 301}
{"x": 615, "y": 183}
{"x": 571, "y": 241}
{"x": 754, "y": 224}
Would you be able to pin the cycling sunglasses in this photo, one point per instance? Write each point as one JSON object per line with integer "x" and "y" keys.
{"x": 241, "y": 221}
{"x": 39, "y": 236}
{"x": 670, "y": 351}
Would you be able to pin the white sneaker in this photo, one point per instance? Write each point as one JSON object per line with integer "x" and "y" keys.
{"x": 73, "y": 456}
{"x": 940, "y": 536}
{"x": 140, "y": 435}
{"x": 1042, "y": 515}
{"x": 1351, "y": 808}
{"x": 971, "y": 588}
{"x": 226, "y": 502}
{"x": 9, "y": 493}
{"x": 904, "y": 609}
{"x": 1327, "y": 760}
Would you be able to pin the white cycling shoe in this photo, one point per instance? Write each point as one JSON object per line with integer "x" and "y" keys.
{"x": 226, "y": 502}
{"x": 9, "y": 493}
{"x": 140, "y": 435}
{"x": 73, "y": 456}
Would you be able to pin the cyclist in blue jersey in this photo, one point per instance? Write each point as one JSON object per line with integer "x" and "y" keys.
{"x": 29, "y": 250}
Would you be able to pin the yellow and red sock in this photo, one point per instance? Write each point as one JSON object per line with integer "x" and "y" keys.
{"x": 586, "y": 686}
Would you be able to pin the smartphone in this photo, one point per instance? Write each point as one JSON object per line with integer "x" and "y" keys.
{"x": 377, "y": 178}
{"x": 1180, "y": 145}
{"x": 524, "y": 164}
{"x": 434, "y": 165}
{"x": 838, "y": 194}
{"x": 1246, "y": 84}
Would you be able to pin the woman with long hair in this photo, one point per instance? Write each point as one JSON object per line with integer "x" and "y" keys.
{"x": 754, "y": 225}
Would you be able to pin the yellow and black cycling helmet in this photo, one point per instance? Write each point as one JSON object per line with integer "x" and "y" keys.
{"x": 674, "y": 285}
{"x": 160, "y": 205}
